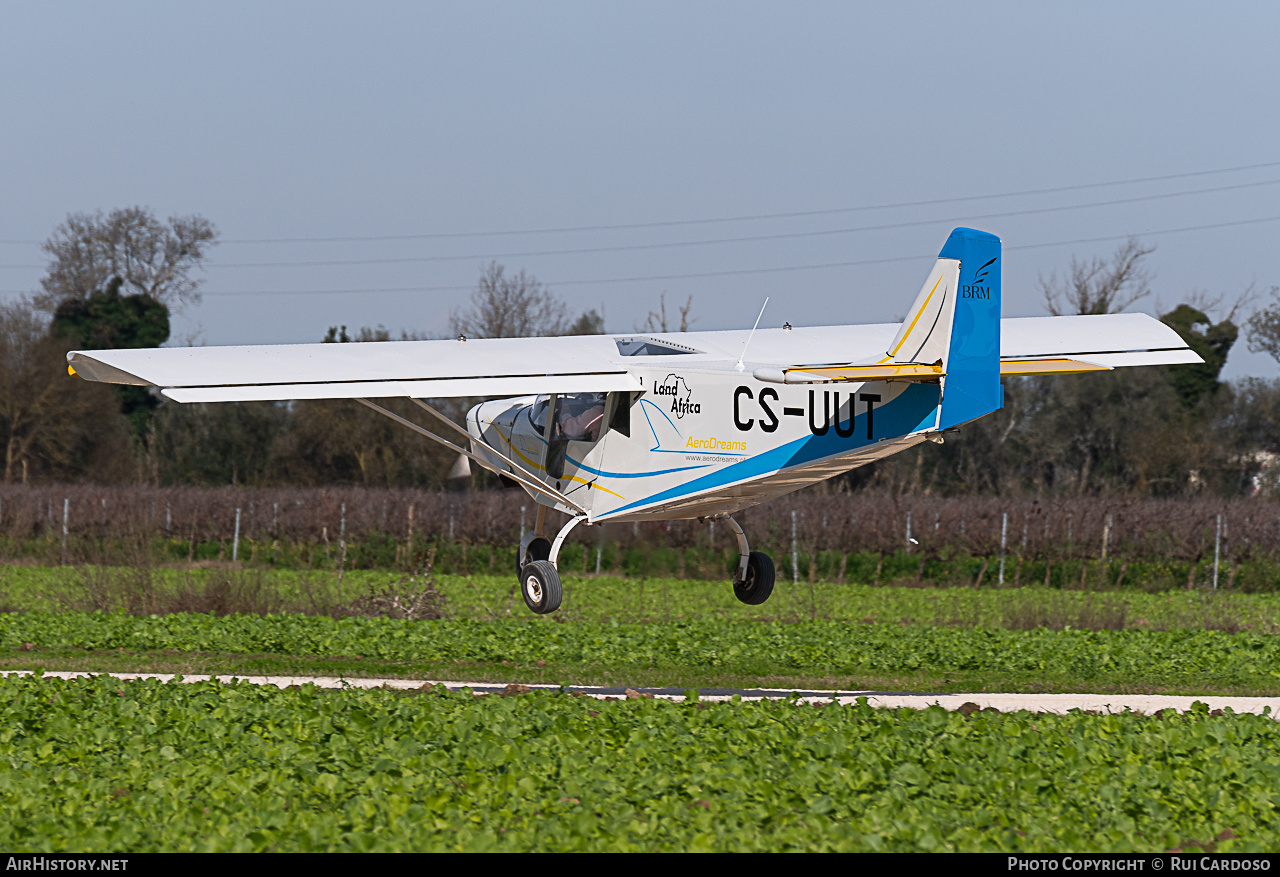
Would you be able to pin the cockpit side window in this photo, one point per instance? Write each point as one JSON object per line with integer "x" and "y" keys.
{"x": 581, "y": 416}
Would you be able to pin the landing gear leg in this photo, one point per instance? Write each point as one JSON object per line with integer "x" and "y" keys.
{"x": 534, "y": 545}
{"x": 539, "y": 577}
{"x": 753, "y": 576}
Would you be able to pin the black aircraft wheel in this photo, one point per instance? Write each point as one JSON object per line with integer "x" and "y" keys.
{"x": 539, "y": 549}
{"x": 758, "y": 585}
{"x": 540, "y": 584}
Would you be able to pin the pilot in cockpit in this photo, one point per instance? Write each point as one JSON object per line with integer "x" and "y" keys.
{"x": 581, "y": 415}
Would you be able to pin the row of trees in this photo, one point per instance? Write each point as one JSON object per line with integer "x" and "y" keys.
{"x": 1163, "y": 431}
{"x": 114, "y": 279}
{"x": 112, "y": 282}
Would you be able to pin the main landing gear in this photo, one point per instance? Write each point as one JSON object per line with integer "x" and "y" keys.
{"x": 536, "y": 566}
{"x": 540, "y": 579}
{"x": 753, "y": 576}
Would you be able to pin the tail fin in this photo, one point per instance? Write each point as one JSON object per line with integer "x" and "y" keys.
{"x": 955, "y": 323}
{"x": 925, "y": 334}
{"x": 971, "y": 387}
{"x": 951, "y": 335}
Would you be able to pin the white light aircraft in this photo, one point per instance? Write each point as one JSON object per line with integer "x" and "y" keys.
{"x": 699, "y": 425}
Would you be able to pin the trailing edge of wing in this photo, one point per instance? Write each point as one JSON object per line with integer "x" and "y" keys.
{"x": 426, "y": 389}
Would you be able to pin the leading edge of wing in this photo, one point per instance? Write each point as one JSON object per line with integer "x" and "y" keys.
{"x": 331, "y": 363}
{"x": 440, "y": 388}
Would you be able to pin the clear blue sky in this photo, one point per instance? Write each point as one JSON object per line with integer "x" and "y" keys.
{"x": 287, "y": 120}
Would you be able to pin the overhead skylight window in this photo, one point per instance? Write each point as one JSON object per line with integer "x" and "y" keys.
{"x": 640, "y": 346}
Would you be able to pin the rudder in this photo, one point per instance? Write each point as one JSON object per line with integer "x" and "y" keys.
{"x": 971, "y": 386}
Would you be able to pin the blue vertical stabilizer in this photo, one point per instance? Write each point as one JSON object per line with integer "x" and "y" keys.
{"x": 971, "y": 387}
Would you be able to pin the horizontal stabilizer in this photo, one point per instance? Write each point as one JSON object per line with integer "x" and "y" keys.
{"x": 822, "y": 374}
{"x": 1029, "y": 346}
{"x": 1048, "y": 366}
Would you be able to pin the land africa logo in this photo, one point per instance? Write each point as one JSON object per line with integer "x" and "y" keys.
{"x": 674, "y": 388}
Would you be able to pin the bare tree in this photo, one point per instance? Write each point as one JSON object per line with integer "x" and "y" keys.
{"x": 48, "y": 419}
{"x": 657, "y": 320}
{"x": 1100, "y": 286}
{"x": 151, "y": 258}
{"x": 510, "y": 306}
{"x": 1263, "y": 328}
{"x": 1212, "y": 305}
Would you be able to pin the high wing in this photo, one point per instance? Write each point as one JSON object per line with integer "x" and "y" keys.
{"x": 953, "y": 335}
{"x": 600, "y": 363}
{"x": 415, "y": 369}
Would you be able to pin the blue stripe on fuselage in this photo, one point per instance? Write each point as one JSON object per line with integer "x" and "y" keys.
{"x": 914, "y": 409}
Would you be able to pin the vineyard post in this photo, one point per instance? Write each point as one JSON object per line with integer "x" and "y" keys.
{"x": 66, "y": 510}
{"x": 1217, "y": 552}
{"x": 795, "y": 558}
{"x": 1106, "y": 538}
{"x": 908, "y": 532}
{"x": 342, "y": 544}
{"x": 1004, "y": 531}
{"x": 1226, "y": 537}
{"x": 235, "y": 540}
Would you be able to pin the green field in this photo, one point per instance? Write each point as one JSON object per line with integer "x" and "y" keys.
{"x": 133, "y": 767}
{"x": 102, "y": 765}
{"x": 642, "y": 632}
{"x": 610, "y": 598}
{"x": 818, "y": 654}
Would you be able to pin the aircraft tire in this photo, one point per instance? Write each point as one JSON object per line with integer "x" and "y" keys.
{"x": 541, "y": 587}
{"x": 759, "y": 582}
{"x": 539, "y": 549}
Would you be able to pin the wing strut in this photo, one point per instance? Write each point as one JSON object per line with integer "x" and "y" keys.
{"x": 516, "y": 474}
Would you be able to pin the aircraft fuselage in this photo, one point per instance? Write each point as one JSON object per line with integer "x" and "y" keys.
{"x": 696, "y": 443}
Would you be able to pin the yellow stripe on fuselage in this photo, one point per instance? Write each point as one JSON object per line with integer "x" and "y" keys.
{"x": 540, "y": 468}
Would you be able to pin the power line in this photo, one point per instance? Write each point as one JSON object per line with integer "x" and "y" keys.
{"x": 732, "y": 272}
{"x": 1031, "y": 211}
{"x": 746, "y": 238}
{"x": 757, "y": 216}
{"x": 741, "y": 218}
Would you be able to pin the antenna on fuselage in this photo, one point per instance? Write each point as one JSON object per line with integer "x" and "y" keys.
{"x": 739, "y": 366}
